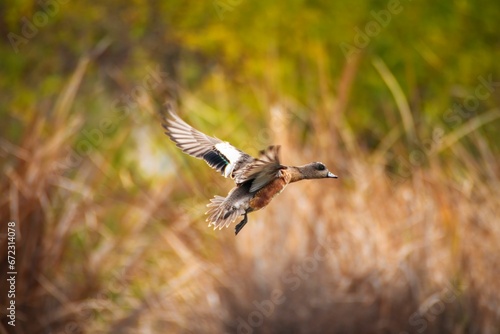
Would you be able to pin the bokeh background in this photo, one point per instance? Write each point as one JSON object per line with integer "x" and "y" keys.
{"x": 399, "y": 98}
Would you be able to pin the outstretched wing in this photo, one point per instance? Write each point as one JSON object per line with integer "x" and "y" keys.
{"x": 218, "y": 154}
{"x": 262, "y": 170}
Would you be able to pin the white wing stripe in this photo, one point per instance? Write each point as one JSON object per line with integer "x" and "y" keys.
{"x": 231, "y": 154}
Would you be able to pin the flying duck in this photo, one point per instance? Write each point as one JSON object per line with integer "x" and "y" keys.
{"x": 258, "y": 180}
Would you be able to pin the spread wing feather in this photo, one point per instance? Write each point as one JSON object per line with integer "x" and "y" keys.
{"x": 263, "y": 170}
{"x": 224, "y": 157}
{"x": 218, "y": 154}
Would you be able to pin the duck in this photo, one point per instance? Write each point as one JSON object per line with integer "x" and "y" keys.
{"x": 258, "y": 180}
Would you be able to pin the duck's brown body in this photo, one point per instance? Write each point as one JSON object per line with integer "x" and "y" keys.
{"x": 265, "y": 195}
{"x": 258, "y": 180}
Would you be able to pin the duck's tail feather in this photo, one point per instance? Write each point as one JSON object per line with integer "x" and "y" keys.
{"x": 221, "y": 213}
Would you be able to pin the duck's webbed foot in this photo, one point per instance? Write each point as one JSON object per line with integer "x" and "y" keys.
{"x": 241, "y": 224}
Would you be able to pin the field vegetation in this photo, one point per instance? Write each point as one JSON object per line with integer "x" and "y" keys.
{"x": 400, "y": 99}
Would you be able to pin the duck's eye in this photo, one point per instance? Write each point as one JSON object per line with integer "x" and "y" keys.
{"x": 320, "y": 167}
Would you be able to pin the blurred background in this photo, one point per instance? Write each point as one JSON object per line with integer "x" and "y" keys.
{"x": 399, "y": 98}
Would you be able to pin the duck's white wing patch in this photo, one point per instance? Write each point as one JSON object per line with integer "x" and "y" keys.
{"x": 219, "y": 155}
{"x": 232, "y": 155}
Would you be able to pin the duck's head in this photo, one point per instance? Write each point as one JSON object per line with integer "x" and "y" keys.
{"x": 316, "y": 170}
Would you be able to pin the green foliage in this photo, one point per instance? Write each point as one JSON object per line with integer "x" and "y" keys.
{"x": 290, "y": 49}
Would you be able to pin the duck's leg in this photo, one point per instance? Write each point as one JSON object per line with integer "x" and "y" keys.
{"x": 241, "y": 224}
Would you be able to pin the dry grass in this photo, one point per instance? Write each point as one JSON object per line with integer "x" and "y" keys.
{"x": 102, "y": 250}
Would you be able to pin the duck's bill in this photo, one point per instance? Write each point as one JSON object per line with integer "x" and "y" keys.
{"x": 330, "y": 174}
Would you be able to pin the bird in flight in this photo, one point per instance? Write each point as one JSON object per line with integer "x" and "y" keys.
{"x": 258, "y": 180}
